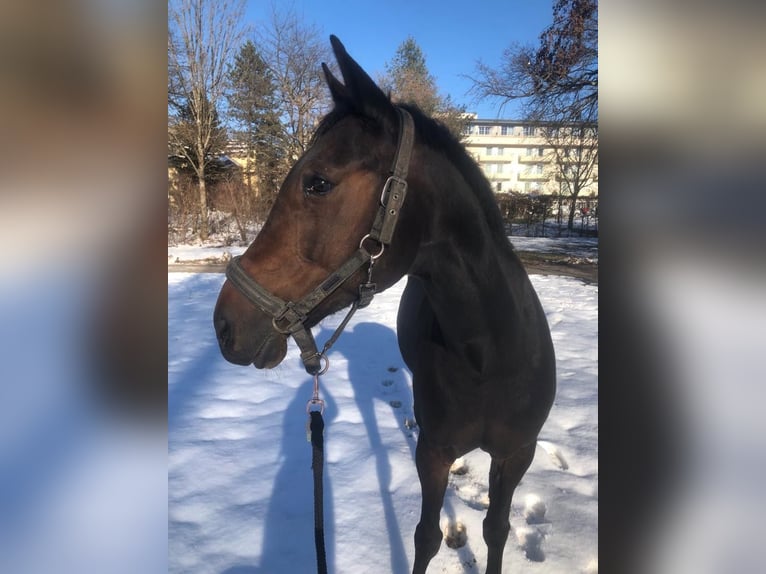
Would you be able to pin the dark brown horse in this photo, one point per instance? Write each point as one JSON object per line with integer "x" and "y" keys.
{"x": 470, "y": 326}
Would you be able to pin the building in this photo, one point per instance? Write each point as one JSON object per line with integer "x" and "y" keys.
{"x": 516, "y": 156}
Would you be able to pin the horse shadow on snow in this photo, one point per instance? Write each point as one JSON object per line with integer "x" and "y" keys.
{"x": 288, "y": 542}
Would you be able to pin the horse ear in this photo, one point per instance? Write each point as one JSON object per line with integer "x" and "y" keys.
{"x": 360, "y": 90}
{"x": 338, "y": 91}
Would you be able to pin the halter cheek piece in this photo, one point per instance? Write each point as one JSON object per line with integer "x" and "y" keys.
{"x": 289, "y": 317}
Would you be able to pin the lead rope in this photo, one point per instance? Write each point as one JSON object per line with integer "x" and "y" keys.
{"x": 315, "y": 425}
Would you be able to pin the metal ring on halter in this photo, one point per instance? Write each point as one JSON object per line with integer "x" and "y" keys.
{"x": 326, "y": 364}
{"x": 378, "y": 254}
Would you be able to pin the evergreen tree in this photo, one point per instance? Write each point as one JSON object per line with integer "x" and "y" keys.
{"x": 253, "y": 106}
{"x": 409, "y": 81}
{"x": 409, "y": 78}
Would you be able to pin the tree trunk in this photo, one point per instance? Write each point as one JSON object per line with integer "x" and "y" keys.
{"x": 570, "y": 221}
{"x": 203, "y": 223}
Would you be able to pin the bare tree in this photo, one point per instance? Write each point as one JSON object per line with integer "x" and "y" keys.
{"x": 574, "y": 156}
{"x": 203, "y": 35}
{"x": 294, "y": 51}
{"x": 557, "y": 81}
{"x": 234, "y": 197}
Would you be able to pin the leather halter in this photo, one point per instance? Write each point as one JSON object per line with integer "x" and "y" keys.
{"x": 289, "y": 317}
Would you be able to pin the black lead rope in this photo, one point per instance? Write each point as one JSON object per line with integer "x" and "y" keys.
{"x": 317, "y": 463}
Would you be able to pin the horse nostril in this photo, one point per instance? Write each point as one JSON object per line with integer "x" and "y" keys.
{"x": 222, "y": 330}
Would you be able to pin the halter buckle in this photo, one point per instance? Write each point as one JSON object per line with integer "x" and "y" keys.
{"x": 293, "y": 318}
{"x": 384, "y": 194}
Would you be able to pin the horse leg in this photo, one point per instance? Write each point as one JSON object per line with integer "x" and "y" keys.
{"x": 504, "y": 476}
{"x": 433, "y": 466}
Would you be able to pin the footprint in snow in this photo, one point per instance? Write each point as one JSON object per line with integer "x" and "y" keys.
{"x": 555, "y": 318}
{"x": 554, "y": 453}
{"x": 459, "y": 467}
{"x": 534, "y": 509}
{"x": 455, "y": 535}
{"x": 531, "y": 537}
{"x": 472, "y": 492}
{"x": 530, "y": 540}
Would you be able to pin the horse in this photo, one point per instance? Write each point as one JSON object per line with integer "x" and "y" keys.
{"x": 385, "y": 191}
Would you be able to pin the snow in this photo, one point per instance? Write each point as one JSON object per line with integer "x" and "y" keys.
{"x": 183, "y": 253}
{"x": 581, "y": 247}
{"x": 584, "y": 247}
{"x": 240, "y": 490}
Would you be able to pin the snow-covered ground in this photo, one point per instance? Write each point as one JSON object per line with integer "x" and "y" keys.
{"x": 201, "y": 252}
{"x": 240, "y": 491}
{"x": 583, "y": 247}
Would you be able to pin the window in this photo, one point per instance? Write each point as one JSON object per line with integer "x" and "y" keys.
{"x": 529, "y": 131}
{"x": 538, "y": 168}
{"x": 468, "y": 130}
{"x": 498, "y": 151}
{"x": 489, "y": 151}
{"x": 492, "y": 168}
{"x": 506, "y": 130}
{"x": 484, "y": 130}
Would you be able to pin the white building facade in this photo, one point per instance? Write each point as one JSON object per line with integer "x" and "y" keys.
{"x": 516, "y": 157}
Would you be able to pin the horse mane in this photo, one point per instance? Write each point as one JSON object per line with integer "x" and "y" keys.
{"x": 436, "y": 135}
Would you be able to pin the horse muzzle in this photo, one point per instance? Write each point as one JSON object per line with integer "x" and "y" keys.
{"x": 246, "y": 335}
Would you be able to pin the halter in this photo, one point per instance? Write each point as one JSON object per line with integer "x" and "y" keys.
{"x": 289, "y": 317}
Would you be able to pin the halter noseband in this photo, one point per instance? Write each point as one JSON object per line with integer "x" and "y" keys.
{"x": 289, "y": 317}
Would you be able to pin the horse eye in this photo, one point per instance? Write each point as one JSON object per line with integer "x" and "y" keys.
{"x": 315, "y": 185}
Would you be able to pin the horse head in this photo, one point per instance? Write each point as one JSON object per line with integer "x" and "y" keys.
{"x": 323, "y": 212}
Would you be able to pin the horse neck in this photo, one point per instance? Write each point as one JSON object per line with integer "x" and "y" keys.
{"x": 474, "y": 282}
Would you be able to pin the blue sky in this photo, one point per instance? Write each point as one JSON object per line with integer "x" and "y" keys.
{"x": 453, "y": 35}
